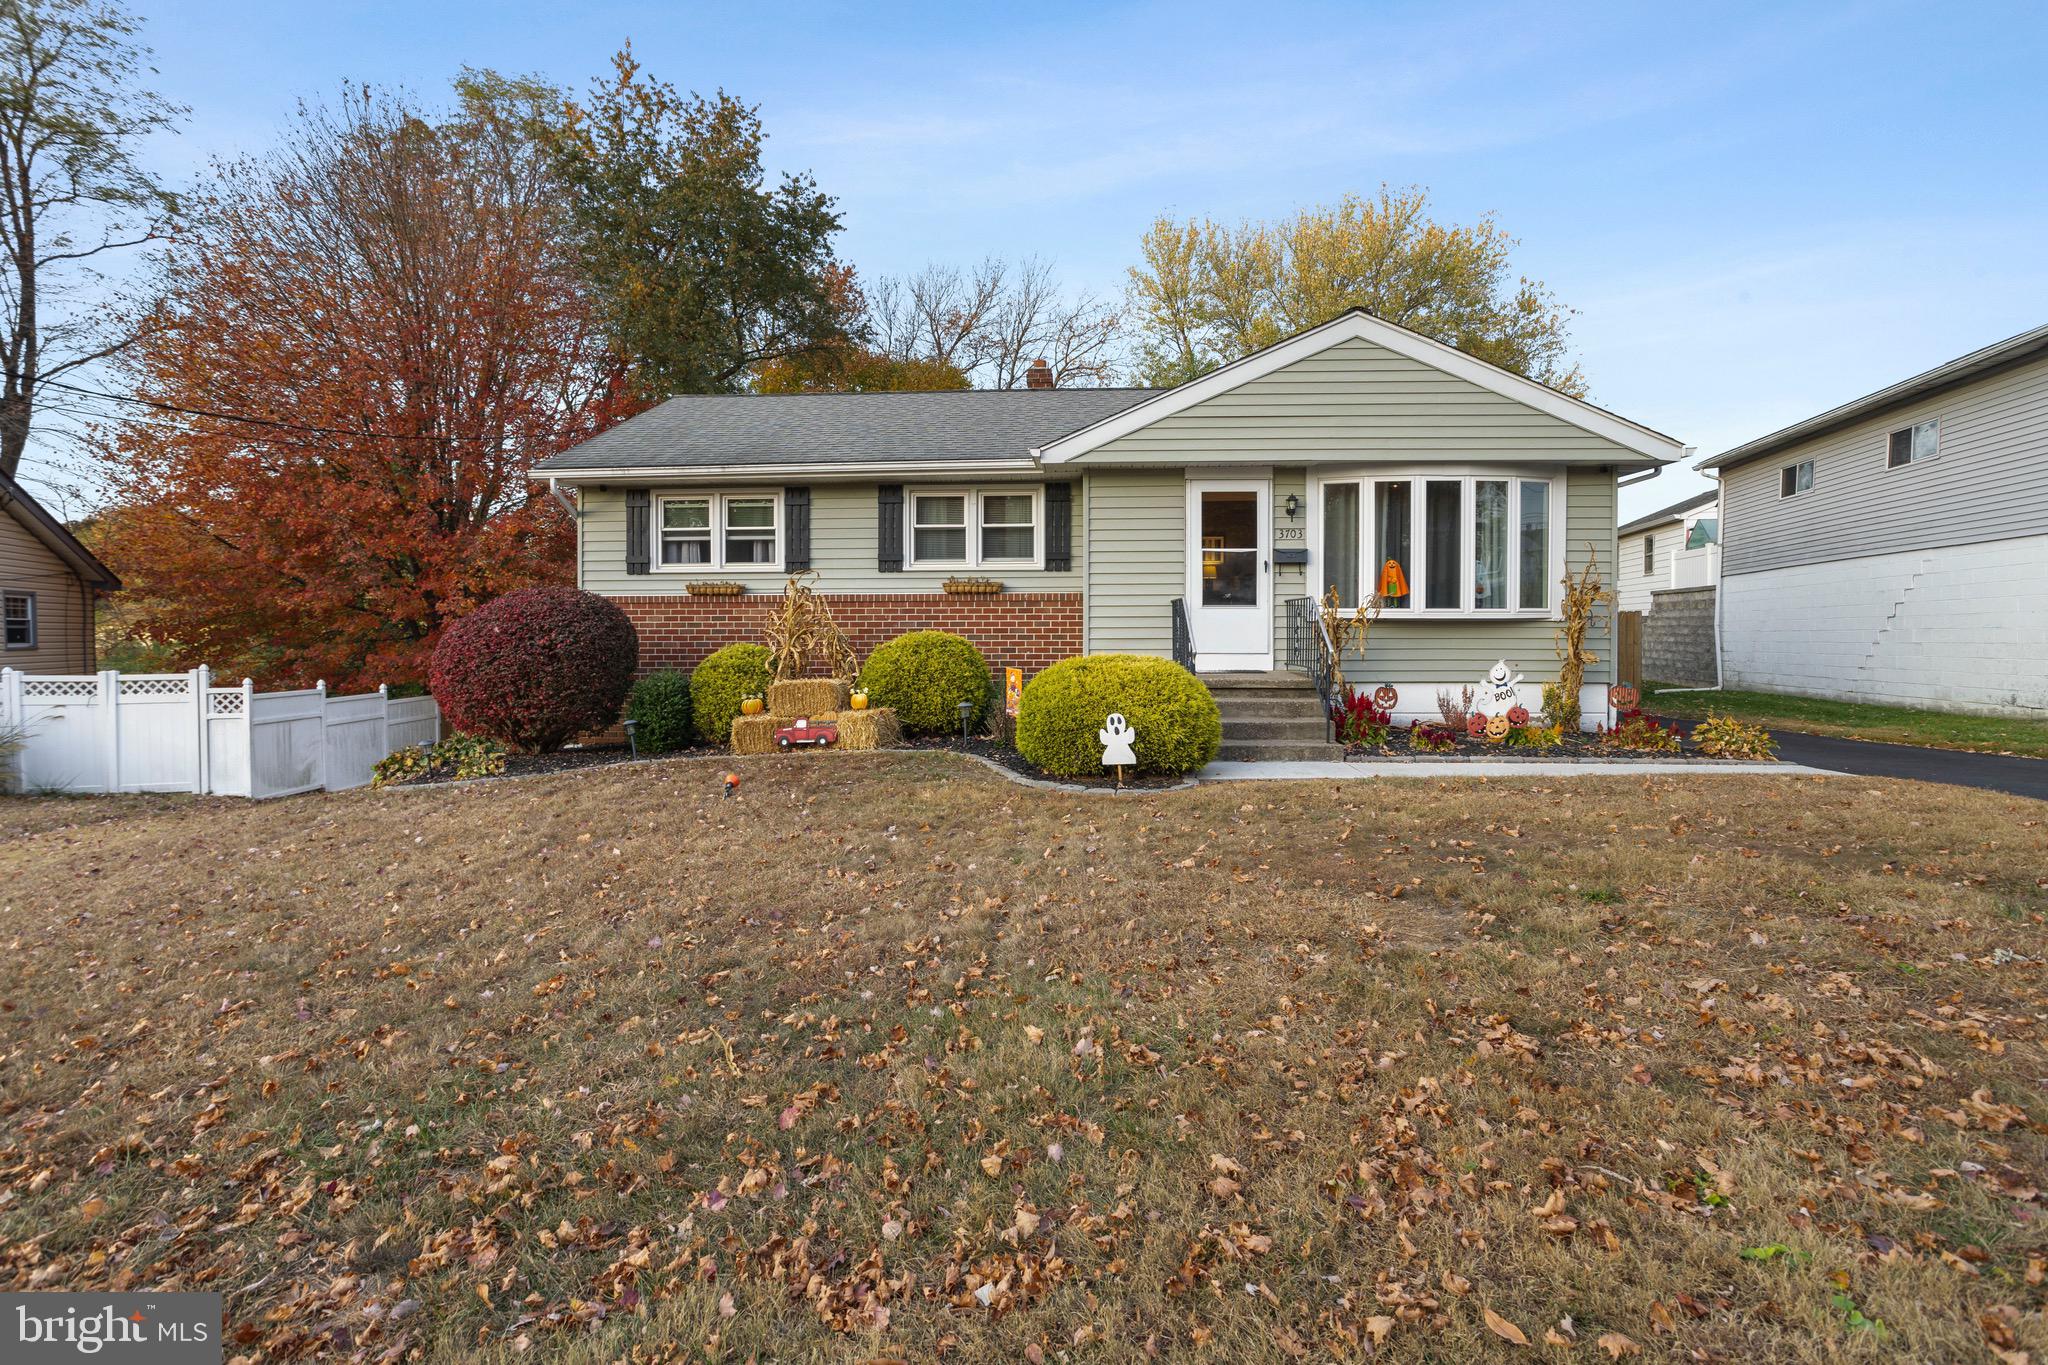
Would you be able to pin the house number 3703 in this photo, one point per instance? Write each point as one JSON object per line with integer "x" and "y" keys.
{"x": 1289, "y": 533}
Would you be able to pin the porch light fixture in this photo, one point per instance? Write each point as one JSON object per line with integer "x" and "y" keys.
{"x": 1293, "y": 505}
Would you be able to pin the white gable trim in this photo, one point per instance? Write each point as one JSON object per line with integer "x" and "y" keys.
{"x": 1361, "y": 326}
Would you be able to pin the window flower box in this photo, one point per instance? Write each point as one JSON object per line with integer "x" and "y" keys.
{"x": 716, "y": 589}
{"x": 972, "y": 587}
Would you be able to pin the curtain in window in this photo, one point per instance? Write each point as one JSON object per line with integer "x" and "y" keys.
{"x": 1393, "y": 516}
{"x": 1535, "y": 544}
{"x": 1490, "y": 545}
{"x": 1440, "y": 541}
{"x": 1340, "y": 541}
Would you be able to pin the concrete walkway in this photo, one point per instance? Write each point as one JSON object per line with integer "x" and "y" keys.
{"x": 1273, "y": 772}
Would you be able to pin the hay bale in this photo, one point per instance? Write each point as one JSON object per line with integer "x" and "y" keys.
{"x": 754, "y": 734}
{"x": 802, "y": 698}
{"x": 874, "y": 728}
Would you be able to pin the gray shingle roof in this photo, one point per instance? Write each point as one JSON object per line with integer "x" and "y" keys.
{"x": 1671, "y": 513}
{"x": 695, "y": 430}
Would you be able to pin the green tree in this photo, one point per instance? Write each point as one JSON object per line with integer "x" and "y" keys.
{"x": 74, "y": 113}
{"x": 702, "y": 270}
{"x": 1208, "y": 293}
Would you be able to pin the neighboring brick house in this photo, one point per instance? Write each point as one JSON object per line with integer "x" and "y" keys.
{"x": 1194, "y": 522}
{"x": 49, "y": 587}
{"x": 1895, "y": 548}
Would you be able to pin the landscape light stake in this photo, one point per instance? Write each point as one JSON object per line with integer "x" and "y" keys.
{"x": 966, "y": 715}
{"x": 632, "y": 742}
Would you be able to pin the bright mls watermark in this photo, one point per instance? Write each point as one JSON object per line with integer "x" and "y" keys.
{"x": 160, "y": 1329}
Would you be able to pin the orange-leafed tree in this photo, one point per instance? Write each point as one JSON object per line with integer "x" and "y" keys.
{"x": 359, "y": 348}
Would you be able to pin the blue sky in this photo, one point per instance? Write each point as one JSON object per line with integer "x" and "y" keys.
{"x": 1758, "y": 211}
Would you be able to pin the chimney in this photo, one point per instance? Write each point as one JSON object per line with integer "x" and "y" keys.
{"x": 1039, "y": 376}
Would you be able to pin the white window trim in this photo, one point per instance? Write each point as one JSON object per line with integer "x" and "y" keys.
{"x": 1370, "y": 559}
{"x": 1796, "y": 489}
{"x": 1911, "y": 459}
{"x": 717, "y": 499}
{"x": 34, "y": 621}
{"x": 971, "y": 511}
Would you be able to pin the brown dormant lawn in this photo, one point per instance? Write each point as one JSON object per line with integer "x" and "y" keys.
{"x": 887, "y": 1058}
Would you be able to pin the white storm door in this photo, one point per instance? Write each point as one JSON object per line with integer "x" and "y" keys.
{"x": 1230, "y": 573}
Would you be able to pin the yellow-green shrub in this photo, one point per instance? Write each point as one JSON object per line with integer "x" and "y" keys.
{"x": 1178, "y": 727}
{"x": 1726, "y": 737}
{"x": 924, "y": 675}
{"x": 718, "y": 685}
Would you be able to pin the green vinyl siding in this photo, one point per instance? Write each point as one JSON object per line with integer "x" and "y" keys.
{"x": 1357, "y": 401}
{"x": 842, "y": 548}
{"x": 1136, "y": 534}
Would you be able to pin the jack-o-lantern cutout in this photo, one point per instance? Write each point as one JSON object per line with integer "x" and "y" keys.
{"x": 1623, "y": 697}
{"x": 1496, "y": 728}
{"x": 1384, "y": 697}
{"x": 1518, "y": 715}
{"x": 1475, "y": 724}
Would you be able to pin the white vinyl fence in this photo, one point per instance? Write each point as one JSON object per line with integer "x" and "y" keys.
{"x": 176, "y": 732}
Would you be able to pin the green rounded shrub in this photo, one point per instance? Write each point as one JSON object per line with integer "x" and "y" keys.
{"x": 660, "y": 703}
{"x": 1178, "y": 726}
{"x": 925, "y": 675}
{"x": 718, "y": 685}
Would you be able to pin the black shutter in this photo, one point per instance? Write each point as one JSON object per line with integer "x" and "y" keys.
{"x": 637, "y": 533}
{"x": 889, "y": 528}
{"x": 1059, "y": 527}
{"x": 796, "y": 507}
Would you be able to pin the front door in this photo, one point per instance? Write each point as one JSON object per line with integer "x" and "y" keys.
{"x": 1229, "y": 590}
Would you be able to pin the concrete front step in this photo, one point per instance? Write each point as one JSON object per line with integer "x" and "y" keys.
{"x": 1278, "y": 708}
{"x": 1277, "y": 751}
{"x": 1285, "y": 678}
{"x": 1310, "y": 729}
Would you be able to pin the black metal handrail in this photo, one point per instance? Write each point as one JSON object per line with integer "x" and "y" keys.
{"x": 1310, "y": 651}
{"x": 1183, "y": 638}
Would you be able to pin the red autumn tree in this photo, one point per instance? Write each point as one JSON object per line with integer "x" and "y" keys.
{"x": 362, "y": 343}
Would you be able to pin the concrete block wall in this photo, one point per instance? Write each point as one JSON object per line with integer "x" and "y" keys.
{"x": 1678, "y": 637}
{"x": 1961, "y": 628}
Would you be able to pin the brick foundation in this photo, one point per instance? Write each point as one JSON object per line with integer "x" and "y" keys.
{"x": 1027, "y": 630}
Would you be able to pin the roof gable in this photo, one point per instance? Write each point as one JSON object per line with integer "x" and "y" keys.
{"x": 1361, "y": 388}
{"x": 16, "y": 502}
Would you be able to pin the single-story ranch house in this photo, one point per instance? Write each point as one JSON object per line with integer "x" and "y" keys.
{"x": 1180, "y": 522}
{"x": 1895, "y": 548}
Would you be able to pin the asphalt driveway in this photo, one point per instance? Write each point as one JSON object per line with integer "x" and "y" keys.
{"x": 1993, "y": 772}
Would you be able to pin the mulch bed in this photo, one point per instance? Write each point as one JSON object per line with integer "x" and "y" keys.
{"x": 1579, "y": 748}
{"x": 996, "y": 751}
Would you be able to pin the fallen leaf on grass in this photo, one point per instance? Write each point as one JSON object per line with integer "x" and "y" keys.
{"x": 1504, "y": 1329}
{"x": 1616, "y": 1345}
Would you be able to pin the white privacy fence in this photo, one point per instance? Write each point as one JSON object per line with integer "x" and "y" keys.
{"x": 176, "y": 732}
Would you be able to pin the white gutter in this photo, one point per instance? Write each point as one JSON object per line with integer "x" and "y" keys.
{"x": 683, "y": 473}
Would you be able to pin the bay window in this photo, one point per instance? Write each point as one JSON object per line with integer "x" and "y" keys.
{"x": 964, "y": 527}
{"x": 1451, "y": 543}
{"x": 718, "y": 530}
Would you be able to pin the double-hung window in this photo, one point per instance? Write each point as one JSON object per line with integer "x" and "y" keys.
{"x": 1441, "y": 544}
{"x": 718, "y": 530}
{"x": 966, "y": 528}
{"x": 18, "y": 619}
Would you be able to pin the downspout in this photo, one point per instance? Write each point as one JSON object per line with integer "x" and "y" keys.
{"x": 555, "y": 492}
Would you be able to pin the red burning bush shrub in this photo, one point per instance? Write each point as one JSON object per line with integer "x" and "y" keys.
{"x": 536, "y": 667}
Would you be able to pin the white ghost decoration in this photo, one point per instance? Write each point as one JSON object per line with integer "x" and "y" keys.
{"x": 1497, "y": 690}
{"x": 1117, "y": 736}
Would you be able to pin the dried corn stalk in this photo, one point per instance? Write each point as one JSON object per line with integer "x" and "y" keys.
{"x": 1347, "y": 632}
{"x": 1581, "y": 595}
{"x": 801, "y": 633}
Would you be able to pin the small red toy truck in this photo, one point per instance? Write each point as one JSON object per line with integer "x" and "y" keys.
{"x": 803, "y": 732}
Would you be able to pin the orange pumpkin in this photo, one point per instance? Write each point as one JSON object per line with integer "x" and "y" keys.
{"x": 1623, "y": 697}
{"x": 1497, "y": 727}
{"x": 1384, "y": 697}
{"x": 858, "y": 701}
{"x": 750, "y": 706}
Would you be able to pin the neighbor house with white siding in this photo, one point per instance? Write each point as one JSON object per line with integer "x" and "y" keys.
{"x": 1196, "y": 522}
{"x": 1674, "y": 547}
{"x": 1895, "y": 548}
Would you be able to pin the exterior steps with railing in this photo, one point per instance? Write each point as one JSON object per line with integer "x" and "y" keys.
{"x": 1271, "y": 716}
